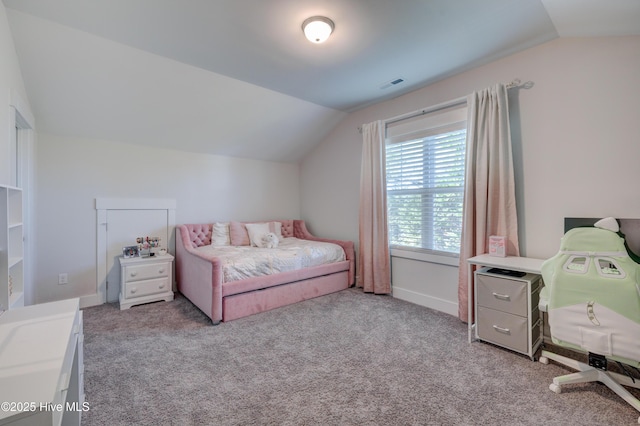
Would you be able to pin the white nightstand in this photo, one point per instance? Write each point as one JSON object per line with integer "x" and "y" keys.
{"x": 145, "y": 279}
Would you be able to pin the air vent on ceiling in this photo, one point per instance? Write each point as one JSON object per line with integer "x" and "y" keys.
{"x": 393, "y": 82}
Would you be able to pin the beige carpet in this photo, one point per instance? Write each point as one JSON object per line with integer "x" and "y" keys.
{"x": 344, "y": 359}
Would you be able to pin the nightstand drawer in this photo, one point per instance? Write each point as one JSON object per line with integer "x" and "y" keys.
{"x": 503, "y": 294}
{"x": 145, "y": 279}
{"x": 144, "y": 288}
{"x": 144, "y": 272}
{"x": 510, "y": 331}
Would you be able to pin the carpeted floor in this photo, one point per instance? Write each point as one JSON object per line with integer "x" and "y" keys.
{"x": 344, "y": 359}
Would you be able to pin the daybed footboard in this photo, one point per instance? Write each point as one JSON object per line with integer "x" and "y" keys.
{"x": 300, "y": 231}
{"x": 200, "y": 277}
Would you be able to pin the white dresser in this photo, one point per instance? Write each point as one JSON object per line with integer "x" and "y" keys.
{"x": 41, "y": 365}
{"x": 145, "y": 279}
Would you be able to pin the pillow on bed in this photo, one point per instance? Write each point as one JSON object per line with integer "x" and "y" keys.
{"x": 238, "y": 234}
{"x": 256, "y": 232}
{"x": 220, "y": 234}
{"x": 276, "y": 228}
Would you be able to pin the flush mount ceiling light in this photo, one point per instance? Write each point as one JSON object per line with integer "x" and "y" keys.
{"x": 317, "y": 28}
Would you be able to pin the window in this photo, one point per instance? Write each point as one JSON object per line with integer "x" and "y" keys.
{"x": 425, "y": 188}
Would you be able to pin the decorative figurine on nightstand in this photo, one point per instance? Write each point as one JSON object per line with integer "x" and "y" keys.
{"x": 497, "y": 246}
{"x": 130, "y": 251}
{"x": 147, "y": 244}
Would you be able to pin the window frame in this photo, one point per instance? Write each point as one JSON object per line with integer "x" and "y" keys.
{"x": 423, "y": 253}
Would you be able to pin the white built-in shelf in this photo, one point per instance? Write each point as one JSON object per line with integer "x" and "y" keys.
{"x": 11, "y": 248}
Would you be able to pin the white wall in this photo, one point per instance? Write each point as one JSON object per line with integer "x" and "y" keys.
{"x": 10, "y": 79}
{"x": 575, "y": 139}
{"x": 12, "y": 89}
{"x": 84, "y": 85}
{"x": 72, "y": 173}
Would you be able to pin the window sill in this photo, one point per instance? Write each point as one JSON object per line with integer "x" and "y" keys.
{"x": 452, "y": 260}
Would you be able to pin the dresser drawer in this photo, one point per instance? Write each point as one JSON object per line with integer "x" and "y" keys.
{"x": 67, "y": 373}
{"x": 144, "y": 272}
{"x": 503, "y": 294}
{"x": 508, "y": 330}
{"x": 144, "y": 288}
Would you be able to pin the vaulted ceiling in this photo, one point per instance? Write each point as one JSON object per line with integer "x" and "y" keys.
{"x": 238, "y": 77}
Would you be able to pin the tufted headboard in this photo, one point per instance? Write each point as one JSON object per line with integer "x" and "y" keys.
{"x": 200, "y": 233}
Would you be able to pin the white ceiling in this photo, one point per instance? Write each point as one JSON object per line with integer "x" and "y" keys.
{"x": 238, "y": 77}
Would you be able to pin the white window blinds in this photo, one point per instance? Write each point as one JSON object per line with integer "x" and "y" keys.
{"x": 425, "y": 186}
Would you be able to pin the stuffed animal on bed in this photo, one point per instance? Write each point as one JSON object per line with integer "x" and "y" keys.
{"x": 270, "y": 240}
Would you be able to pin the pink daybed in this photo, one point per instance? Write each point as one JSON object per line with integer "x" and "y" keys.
{"x": 200, "y": 276}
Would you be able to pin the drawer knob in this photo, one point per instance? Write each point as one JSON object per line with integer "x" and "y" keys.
{"x": 501, "y": 329}
{"x": 133, "y": 290}
{"x": 161, "y": 271}
{"x": 161, "y": 286}
{"x": 501, "y": 296}
{"x": 133, "y": 274}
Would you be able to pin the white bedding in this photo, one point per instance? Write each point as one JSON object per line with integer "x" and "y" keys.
{"x": 240, "y": 262}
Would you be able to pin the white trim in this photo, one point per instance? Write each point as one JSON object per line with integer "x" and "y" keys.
{"x": 22, "y": 130}
{"x": 426, "y": 132}
{"x": 104, "y": 204}
{"x": 452, "y": 260}
{"x": 101, "y": 259}
{"x": 431, "y": 302}
{"x": 25, "y": 118}
{"x": 91, "y": 300}
{"x": 135, "y": 204}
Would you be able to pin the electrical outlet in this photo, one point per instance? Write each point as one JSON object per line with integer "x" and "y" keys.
{"x": 63, "y": 278}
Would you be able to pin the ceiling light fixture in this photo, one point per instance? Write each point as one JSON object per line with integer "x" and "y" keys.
{"x": 317, "y": 28}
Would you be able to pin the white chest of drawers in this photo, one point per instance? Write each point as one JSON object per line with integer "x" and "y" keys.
{"x": 145, "y": 279}
{"x": 507, "y": 312}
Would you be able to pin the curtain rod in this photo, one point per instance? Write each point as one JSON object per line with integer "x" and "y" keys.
{"x": 423, "y": 111}
{"x": 459, "y": 101}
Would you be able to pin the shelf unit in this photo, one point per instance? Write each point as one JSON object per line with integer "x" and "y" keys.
{"x": 11, "y": 248}
{"x": 506, "y": 310}
{"x": 514, "y": 263}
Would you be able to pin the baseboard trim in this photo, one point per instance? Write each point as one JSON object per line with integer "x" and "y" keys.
{"x": 91, "y": 300}
{"x": 425, "y": 300}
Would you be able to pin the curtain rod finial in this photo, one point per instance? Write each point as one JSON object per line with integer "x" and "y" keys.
{"x": 514, "y": 83}
{"x": 518, "y": 83}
